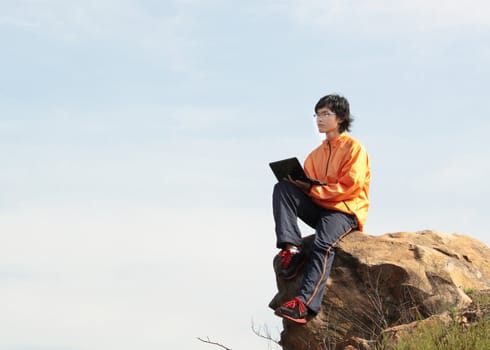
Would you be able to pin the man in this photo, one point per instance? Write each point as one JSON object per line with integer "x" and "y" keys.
{"x": 333, "y": 209}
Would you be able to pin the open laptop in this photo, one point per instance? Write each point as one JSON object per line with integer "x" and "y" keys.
{"x": 291, "y": 166}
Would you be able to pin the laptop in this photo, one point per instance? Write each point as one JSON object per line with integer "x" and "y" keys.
{"x": 291, "y": 166}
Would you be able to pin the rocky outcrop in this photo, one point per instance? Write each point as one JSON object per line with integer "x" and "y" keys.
{"x": 381, "y": 282}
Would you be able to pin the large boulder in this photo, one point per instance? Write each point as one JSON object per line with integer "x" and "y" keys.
{"x": 378, "y": 282}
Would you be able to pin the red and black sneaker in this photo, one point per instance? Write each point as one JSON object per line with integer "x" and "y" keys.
{"x": 294, "y": 310}
{"x": 287, "y": 263}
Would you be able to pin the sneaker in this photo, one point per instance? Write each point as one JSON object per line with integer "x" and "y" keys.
{"x": 294, "y": 310}
{"x": 287, "y": 263}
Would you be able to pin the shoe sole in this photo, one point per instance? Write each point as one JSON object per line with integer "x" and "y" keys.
{"x": 296, "y": 320}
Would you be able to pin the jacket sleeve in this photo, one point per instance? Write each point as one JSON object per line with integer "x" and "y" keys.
{"x": 350, "y": 178}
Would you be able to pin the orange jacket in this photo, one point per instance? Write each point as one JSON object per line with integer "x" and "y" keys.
{"x": 343, "y": 164}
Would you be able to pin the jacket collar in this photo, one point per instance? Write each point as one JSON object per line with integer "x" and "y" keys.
{"x": 337, "y": 139}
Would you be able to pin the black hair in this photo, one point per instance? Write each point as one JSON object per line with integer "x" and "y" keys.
{"x": 340, "y": 106}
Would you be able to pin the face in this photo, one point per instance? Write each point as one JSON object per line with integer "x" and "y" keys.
{"x": 327, "y": 121}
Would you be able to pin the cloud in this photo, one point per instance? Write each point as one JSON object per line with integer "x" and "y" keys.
{"x": 380, "y": 15}
{"x": 462, "y": 171}
{"x": 15, "y": 22}
{"x": 161, "y": 31}
{"x": 121, "y": 276}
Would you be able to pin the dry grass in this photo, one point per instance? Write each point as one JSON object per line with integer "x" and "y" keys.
{"x": 461, "y": 334}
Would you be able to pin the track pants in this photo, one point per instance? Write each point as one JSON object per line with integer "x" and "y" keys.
{"x": 290, "y": 203}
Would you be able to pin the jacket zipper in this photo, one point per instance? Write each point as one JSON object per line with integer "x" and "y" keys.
{"x": 350, "y": 211}
{"x": 328, "y": 159}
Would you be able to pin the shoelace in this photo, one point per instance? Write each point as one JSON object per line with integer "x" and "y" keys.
{"x": 296, "y": 301}
{"x": 286, "y": 256}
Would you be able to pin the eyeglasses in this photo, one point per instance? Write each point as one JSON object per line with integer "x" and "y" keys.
{"x": 323, "y": 115}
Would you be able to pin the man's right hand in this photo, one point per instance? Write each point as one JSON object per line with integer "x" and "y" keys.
{"x": 302, "y": 185}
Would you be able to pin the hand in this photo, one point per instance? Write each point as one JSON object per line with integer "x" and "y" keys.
{"x": 302, "y": 185}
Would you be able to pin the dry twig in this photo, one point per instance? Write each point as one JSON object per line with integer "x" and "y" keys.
{"x": 208, "y": 341}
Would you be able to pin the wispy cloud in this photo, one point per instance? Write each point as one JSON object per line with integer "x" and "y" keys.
{"x": 129, "y": 268}
{"x": 463, "y": 171}
{"x": 163, "y": 32}
{"x": 378, "y": 15}
{"x": 16, "y": 22}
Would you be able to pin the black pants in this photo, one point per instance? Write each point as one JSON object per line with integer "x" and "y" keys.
{"x": 290, "y": 203}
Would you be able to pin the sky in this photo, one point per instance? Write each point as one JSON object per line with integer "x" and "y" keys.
{"x": 136, "y": 136}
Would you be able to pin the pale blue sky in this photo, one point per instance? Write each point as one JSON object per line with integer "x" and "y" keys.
{"x": 135, "y": 208}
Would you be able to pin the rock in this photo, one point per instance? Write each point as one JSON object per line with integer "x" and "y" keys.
{"x": 396, "y": 333}
{"x": 378, "y": 282}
